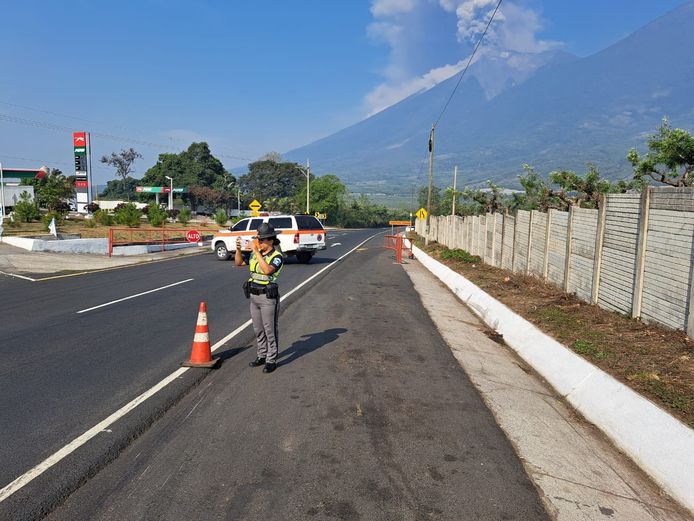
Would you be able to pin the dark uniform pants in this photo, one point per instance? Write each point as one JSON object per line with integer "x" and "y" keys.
{"x": 264, "y": 314}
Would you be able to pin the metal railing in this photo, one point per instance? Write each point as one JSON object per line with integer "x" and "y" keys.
{"x": 148, "y": 236}
{"x": 398, "y": 243}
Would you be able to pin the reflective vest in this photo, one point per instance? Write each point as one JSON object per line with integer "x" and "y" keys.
{"x": 257, "y": 274}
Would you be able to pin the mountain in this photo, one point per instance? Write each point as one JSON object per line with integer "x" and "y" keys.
{"x": 568, "y": 112}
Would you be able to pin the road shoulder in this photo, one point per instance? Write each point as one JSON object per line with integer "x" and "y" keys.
{"x": 580, "y": 474}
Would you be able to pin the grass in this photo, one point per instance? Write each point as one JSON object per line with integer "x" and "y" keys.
{"x": 654, "y": 361}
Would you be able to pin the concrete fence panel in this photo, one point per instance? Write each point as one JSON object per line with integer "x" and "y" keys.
{"x": 585, "y": 225}
{"x": 522, "y": 239}
{"x": 537, "y": 253}
{"x": 557, "y": 247}
{"x": 618, "y": 266}
{"x": 507, "y": 248}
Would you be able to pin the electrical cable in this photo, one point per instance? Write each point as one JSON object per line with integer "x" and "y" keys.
{"x": 474, "y": 51}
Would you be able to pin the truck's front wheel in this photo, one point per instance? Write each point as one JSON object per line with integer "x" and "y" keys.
{"x": 221, "y": 251}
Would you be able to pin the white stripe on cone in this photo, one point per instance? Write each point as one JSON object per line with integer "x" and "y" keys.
{"x": 202, "y": 319}
{"x": 201, "y": 337}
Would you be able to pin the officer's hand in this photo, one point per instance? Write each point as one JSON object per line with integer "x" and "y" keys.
{"x": 254, "y": 246}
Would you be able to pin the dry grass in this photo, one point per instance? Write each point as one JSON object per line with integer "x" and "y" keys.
{"x": 652, "y": 360}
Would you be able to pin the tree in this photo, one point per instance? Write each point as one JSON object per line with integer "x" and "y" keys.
{"x": 328, "y": 194}
{"x": 583, "y": 191}
{"x": 487, "y": 200}
{"x": 53, "y": 191}
{"x": 423, "y": 195}
{"x": 194, "y": 167}
{"x": 670, "y": 159}
{"x": 123, "y": 163}
{"x": 267, "y": 179}
{"x": 119, "y": 188}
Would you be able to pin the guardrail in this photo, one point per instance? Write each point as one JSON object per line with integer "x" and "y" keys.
{"x": 397, "y": 243}
{"x": 147, "y": 236}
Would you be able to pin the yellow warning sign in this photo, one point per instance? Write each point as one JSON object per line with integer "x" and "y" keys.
{"x": 421, "y": 214}
{"x": 255, "y": 205}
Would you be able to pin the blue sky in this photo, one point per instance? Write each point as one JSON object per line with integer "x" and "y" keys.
{"x": 250, "y": 77}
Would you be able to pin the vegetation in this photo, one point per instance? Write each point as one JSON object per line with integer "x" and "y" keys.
{"x": 221, "y": 217}
{"x": 119, "y": 189}
{"x": 460, "y": 255}
{"x": 670, "y": 159}
{"x": 128, "y": 215}
{"x": 155, "y": 215}
{"x": 49, "y": 216}
{"x": 123, "y": 163}
{"x": 26, "y": 210}
{"x": 184, "y": 216}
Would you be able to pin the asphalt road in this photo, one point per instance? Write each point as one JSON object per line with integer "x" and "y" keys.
{"x": 62, "y": 372}
{"x": 368, "y": 417}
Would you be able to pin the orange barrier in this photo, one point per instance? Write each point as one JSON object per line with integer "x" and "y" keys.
{"x": 397, "y": 243}
{"x": 201, "y": 353}
{"x": 140, "y": 236}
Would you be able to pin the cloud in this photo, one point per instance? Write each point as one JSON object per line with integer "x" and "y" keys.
{"x": 404, "y": 25}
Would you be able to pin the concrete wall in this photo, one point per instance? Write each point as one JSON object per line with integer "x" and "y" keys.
{"x": 634, "y": 255}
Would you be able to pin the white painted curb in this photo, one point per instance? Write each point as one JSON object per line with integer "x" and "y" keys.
{"x": 659, "y": 443}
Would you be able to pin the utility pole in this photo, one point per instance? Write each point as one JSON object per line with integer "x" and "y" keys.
{"x": 308, "y": 183}
{"x": 238, "y": 200}
{"x": 431, "y": 175}
{"x": 455, "y": 195}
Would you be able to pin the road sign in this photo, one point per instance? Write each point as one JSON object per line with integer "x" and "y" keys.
{"x": 193, "y": 236}
{"x": 421, "y": 214}
{"x": 322, "y": 216}
{"x": 255, "y": 206}
{"x": 399, "y": 223}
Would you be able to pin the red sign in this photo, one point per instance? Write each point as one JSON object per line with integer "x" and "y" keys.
{"x": 193, "y": 236}
{"x": 81, "y": 184}
{"x": 79, "y": 139}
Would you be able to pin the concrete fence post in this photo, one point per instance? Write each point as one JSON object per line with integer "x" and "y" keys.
{"x": 644, "y": 213}
{"x": 545, "y": 262}
{"x": 493, "y": 263}
{"x": 530, "y": 243}
{"x": 503, "y": 234}
{"x": 599, "y": 239}
{"x": 569, "y": 242}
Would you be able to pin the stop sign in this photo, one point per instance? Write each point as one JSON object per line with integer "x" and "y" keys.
{"x": 193, "y": 236}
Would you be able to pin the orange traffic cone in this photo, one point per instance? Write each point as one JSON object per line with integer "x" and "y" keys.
{"x": 201, "y": 354}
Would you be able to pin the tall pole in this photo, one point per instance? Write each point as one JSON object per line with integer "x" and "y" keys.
{"x": 171, "y": 193}
{"x": 2, "y": 195}
{"x": 431, "y": 175}
{"x": 90, "y": 187}
{"x": 455, "y": 195}
{"x": 308, "y": 183}
{"x": 238, "y": 200}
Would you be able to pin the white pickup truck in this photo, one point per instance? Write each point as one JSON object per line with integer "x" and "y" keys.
{"x": 300, "y": 235}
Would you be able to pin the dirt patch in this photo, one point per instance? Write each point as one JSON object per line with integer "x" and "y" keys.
{"x": 654, "y": 361}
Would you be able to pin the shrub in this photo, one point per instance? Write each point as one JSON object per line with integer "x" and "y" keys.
{"x": 155, "y": 215}
{"x": 460, "y": 255}
{"x": 26, "y": 210}
{"x": 221, "y": 217}
{"x": 48, "y": 217}
{"x": 92, "y": 207}
{"x": 185, "y": 216}
{"x": 103, "y": 217}
{"x": 127, "y": 214}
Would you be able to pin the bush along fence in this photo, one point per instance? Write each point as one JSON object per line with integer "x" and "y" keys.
{"x": 633, "y": 255}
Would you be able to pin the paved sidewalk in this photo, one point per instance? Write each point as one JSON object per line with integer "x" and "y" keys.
{"x": 18, "y": 261}
{"x": 582, "y": 476}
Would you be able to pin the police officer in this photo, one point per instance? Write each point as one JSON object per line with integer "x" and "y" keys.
{"x": 265, "y": 264}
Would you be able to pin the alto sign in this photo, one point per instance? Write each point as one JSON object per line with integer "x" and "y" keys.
{"x": 193, "y": 236}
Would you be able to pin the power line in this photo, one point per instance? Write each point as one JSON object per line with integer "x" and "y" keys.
{"x": 474, "y": 51}
{"x": 127, "y": 140}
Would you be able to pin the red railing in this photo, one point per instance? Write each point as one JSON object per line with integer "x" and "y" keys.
{"x": 147, "y": 236}
{"x": 398, "y": 243}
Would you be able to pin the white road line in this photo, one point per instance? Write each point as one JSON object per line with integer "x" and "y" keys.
{"x": 336, "y": 244}
{"x": 133, "y": 296}
{"x": 18, "y": 276}
{"x": 39, "y": 469}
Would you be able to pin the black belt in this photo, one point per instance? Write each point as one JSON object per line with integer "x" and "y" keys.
{"x": 257, "y": 291}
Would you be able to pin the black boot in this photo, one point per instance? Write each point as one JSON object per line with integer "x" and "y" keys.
{"x": 257, "y": 362}
{"x": 269, "y": 367}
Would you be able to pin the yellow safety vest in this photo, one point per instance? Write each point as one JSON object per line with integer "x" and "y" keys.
{"x": 257, "y": 274}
